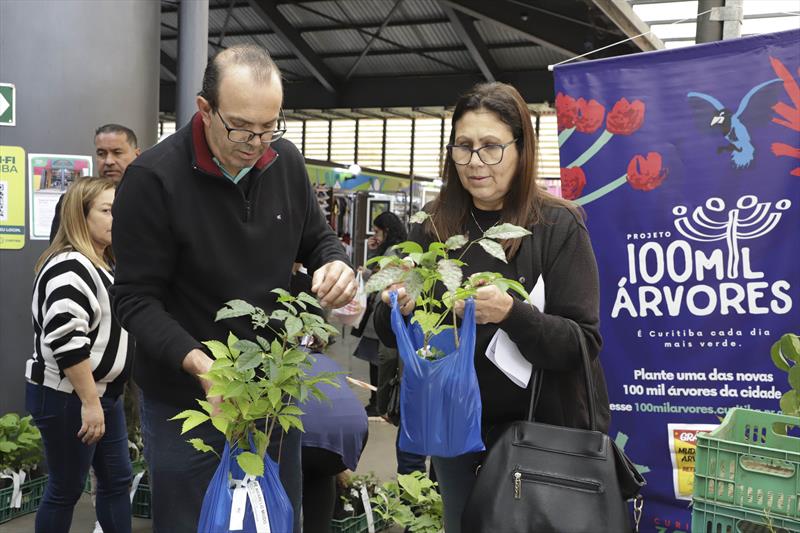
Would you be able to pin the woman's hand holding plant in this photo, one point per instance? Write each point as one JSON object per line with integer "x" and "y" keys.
{"x": 492, "y": 305}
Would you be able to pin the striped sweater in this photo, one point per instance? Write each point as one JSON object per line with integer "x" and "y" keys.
{"x": 72, "y": 321}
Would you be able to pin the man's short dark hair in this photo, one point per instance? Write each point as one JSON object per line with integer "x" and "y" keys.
{"x": 258, "y": 59}
{"x": 118, "y": 128}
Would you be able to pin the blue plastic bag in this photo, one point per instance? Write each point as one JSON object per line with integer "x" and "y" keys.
{"x": 440, "y": 403}
{"x": 215, "y": 515}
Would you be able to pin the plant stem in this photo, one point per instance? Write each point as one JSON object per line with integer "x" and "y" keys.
{"x": 455, "y": 327}
{"x": 602, "y": 191}
{"x": 592, "y": 150}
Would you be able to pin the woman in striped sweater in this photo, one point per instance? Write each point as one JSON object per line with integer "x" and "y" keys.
{"x": 80, "y": 363}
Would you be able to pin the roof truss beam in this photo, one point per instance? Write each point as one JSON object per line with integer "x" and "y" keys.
{"x": 464, "y": 26}
{"x": 268, "y": 11}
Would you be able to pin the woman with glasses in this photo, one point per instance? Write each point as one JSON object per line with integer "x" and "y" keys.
{"x": 81, "y": 361}
{"x": 490, "y": 179}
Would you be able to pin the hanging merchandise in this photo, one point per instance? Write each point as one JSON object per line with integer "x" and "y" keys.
{"x": 440, "y": 400}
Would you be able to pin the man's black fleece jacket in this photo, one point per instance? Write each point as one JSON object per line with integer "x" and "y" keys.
{"x": 187, "y": 240}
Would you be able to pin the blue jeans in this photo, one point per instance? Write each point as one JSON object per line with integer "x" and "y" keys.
{"x": 179, "y": 474}
{"x": 58, "y": 417}
{"x": 456, "y": 477}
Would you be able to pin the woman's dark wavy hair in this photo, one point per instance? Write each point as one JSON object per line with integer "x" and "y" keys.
{"x": 523, "y": 203}
{"x": 394, "y": 229}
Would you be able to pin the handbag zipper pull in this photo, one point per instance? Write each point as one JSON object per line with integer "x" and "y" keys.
{"x": 517, "y": 485}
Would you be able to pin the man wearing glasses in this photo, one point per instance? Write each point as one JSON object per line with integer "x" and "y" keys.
{"x": 218, "y": 211}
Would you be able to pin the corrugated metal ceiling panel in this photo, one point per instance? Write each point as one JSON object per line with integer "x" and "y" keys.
{"x": 245, "y": 18}
{"x": 422, "y": 35}
{"x": 532, "y": 57}
{"x": 402, "y": 64}
{"x": 335, "y": 41}
{"x": 494, "y": 33}
{"x": 298, "y": 16}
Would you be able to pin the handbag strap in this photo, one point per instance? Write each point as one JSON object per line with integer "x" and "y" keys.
{"x": 537, "y": 378}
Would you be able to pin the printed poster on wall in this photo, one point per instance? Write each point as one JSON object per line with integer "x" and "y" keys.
{"x": 687, "y": 163}
{"x": 49, "y": 177}
{"x": 12, "y": 198}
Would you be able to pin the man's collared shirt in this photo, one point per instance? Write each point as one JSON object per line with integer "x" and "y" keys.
{"x": 242, "y": 173}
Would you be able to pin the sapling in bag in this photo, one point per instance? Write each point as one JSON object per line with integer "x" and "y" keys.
{"x": 440, "y": 403}
{"x": 235, "y": 501}
{"x": 352, "y": 313}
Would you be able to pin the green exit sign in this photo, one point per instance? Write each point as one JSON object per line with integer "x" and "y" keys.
{"x": 8, "y": 105}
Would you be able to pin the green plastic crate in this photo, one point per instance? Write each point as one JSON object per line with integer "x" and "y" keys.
{"x": 744, "y": 466}
{"x": 32, "y": 492}
{"x": 356, "y": 524}
{"x": 709, "y": 517}
{"x": 140, "y": 506}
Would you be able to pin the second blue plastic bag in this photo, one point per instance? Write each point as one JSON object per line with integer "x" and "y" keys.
{"x": 215, "y": 515}
{"x": 440, "y": 403}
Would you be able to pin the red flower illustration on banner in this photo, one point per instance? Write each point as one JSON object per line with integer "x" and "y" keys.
{"x": 789, "y": 114}
{"x": 590, "y": 115}
{"x": 566, "y": 111}
{"x": 573, "y": 180}
{"x": 645, "y": 173}
{"x": 625, "y": 117}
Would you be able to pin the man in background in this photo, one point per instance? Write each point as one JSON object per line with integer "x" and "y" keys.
{"x": 115, "y": 147}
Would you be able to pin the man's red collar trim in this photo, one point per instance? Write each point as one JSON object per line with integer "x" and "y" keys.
{"x": 204, "y": 157}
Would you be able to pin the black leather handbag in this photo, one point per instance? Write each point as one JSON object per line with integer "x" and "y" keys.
{"x": 541, "y": 478}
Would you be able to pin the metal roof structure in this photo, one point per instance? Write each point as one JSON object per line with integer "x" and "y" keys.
{"x": 384, "y": 58}
{"x": 667, "y": 18}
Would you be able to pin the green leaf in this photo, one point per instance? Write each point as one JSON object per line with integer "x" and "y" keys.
{"x": 235, "y": 308}
{"x": 294, "y": 356}
{"x": 283, "y": 295}
{"x": 419, "y": 217}
{"x": 414, "y": 284}
{"x": 451, "y": 274}
{"x": 794, "y": 377}
{"x": 263, "y": 343}
{"x": 426, "y": 320}
{"x": 294, "y": 326}
{"x": 274, "y": 396}
{"x": 790, "y": 347}
{"x": 218, "y": 349}
{"x": 455, "y": 242}
{"x": 248, "y": 360}
{"x": 311, "y": 319}
{"x": 790, "y": 403}
{"x": 280, "y": 315}
{"x": 506, "y": 231}
{"x": 7, "y": 446}
{"x": 201, "y": 446}
{"x": 517, "y": 287}
{"x": 777, "y": 356}
{"x": 408, "y": 247}
{"x": 310, "y": 300}
{"x": 221, "y": 363}
{"x": 285, "y": 422}
{"x": 251, "y": 463}
{"x": 276, "y": 349}
{"x": 411, "y": 485}
{"x": 235, "y": 389}
{"x": 383, "y": 278}
{"x": 193, "y": 421}
{"x": 292, "y": 410}
{"x": 220, "y": 423}
{"x": 494, "y": 249}
{"x": 244, "y": 345}
{"x": 232, "y": 340}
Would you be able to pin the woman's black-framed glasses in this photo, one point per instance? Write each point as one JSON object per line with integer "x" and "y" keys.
{"x": 490, "y": 154}
{"x": 240, "y": 135}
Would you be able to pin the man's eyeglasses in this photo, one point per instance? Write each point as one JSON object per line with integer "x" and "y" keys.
{"x": 490, "y": 154}
{"x": 240, "y": 135}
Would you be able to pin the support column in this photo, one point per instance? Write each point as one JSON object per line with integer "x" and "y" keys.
{"x": 192, "y": 56}
{"x": 708, "y": 29}
{"x": 76, "y": 65}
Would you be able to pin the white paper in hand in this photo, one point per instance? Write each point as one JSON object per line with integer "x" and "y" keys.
{"x": 505, "y": 354}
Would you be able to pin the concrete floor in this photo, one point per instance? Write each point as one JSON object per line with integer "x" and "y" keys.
{"x": 378, "y": 456}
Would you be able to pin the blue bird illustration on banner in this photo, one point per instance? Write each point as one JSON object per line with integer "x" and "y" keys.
{"x": 732, "y": 125}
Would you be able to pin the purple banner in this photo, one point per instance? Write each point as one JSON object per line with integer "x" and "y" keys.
{"x": 687, "y": 163}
